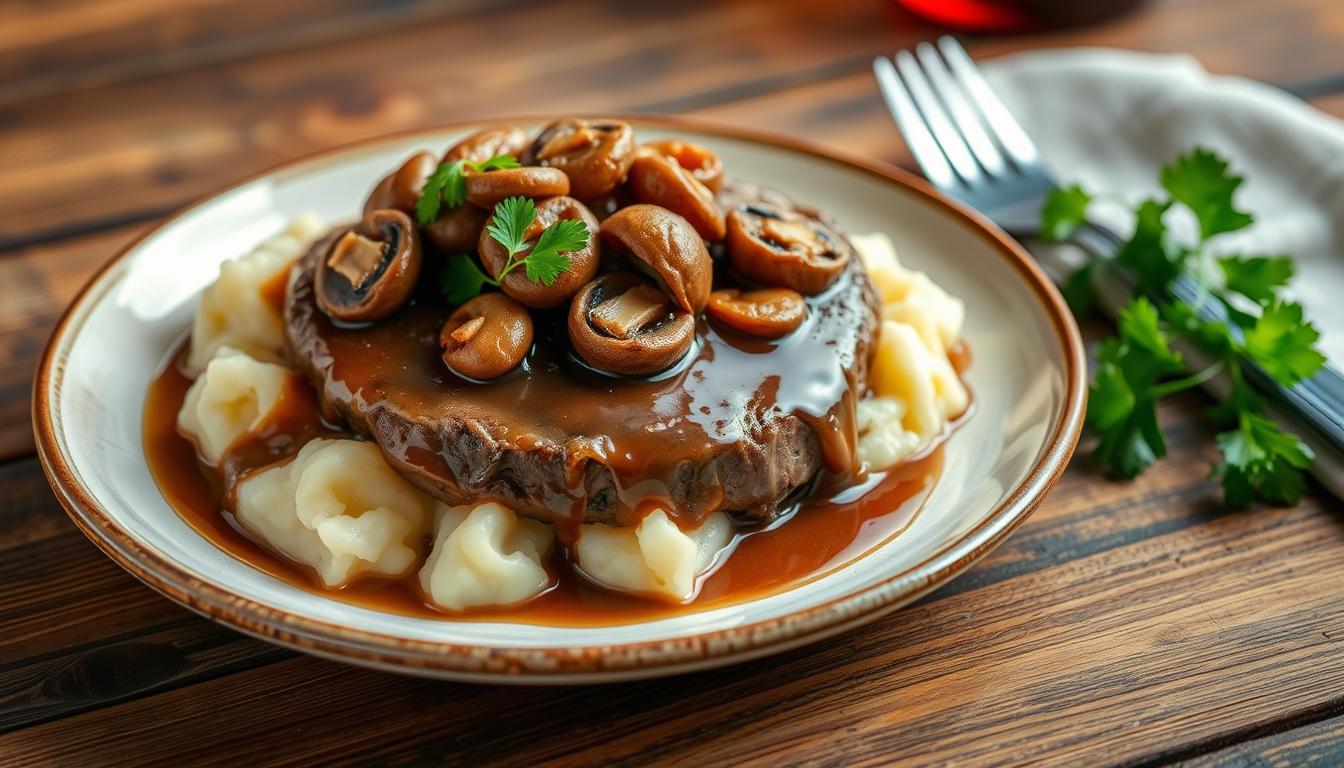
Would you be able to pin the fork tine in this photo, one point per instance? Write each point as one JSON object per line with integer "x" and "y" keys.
{"x": 944, "y": 132}
{"x": 908, "y": 121}
{"x": 963, "y": 115}
{"x": 1000, "y": 121}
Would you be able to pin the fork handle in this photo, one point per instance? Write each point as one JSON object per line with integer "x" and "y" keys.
{"x": 1318, "y": 402}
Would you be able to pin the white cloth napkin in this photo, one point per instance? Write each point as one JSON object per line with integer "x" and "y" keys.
{"x": 1110, "y": 119}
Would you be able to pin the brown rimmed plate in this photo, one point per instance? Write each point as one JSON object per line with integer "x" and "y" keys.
{"x": 1028, "y": 377}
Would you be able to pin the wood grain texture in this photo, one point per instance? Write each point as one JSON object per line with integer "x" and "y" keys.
{"x": 69, "y": 172}
{"x": 1137, "y": 623}
{"x": 58, "y": 45}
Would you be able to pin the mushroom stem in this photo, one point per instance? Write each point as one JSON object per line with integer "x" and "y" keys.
{"x": 468, "y": 330}
{"x": 356, "y": 258}
{"x": 623, "y": 316}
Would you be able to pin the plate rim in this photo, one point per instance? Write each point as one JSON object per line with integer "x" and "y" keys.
{"x": 570, "y": 664}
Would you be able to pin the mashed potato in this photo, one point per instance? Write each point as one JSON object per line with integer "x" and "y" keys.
{"x": 654, "y": 558}
{"x": 232, "y": 311}
{"x": 916, "y": 390}
{"x": 340, "y": 508}
{"x": 232, "y": 397}
{"x": 485, "y": 556}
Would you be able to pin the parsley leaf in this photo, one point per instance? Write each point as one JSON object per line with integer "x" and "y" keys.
{"x": 1065, "y": 210}
{"x": 549, "y": 257}
{"x": 462, "y": 279}
{"x": 508, "y": 226}
{"x": 1261, "y": 459}
{"x": 1122, "y": 401}
{"x": 1256, "y": 277}
{"x": 1138, "y": 367}
{"x": 1079, "y": 292}
{"x": 1282, "y": 343}
{"x": 1200, "y": 180}
{"x": 1149, "y": 253}
{"x": 448, "y": 185}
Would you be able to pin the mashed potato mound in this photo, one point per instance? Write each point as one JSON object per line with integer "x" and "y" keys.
{"x": 338, "y": 507}
{"x": 232, "y": 397}
{"x": 232, "y": 311}
{"x": 486, "y": 555}
{"x": 655, "y": 557}
{"x": 916, "y": 390}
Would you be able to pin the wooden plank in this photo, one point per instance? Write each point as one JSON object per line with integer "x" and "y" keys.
{"x": 1317, "y": 744}
{"x": 1228, "y": 622}
{"x": 143, "y": 154}
{"x": 62, "y": 44}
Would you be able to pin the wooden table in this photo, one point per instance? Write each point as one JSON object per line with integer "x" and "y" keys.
{"x": 1130, "y": 623}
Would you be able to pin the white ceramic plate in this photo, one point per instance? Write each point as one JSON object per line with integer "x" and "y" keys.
{"x": 1028, "y": 378}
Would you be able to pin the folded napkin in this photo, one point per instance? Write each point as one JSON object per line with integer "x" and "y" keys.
{"x": 1110, "y": 119}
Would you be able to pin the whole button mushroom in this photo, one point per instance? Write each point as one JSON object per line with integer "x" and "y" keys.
{"x": 621, "y": 324}
{"x": 594, "y": 155}
{"x": 491, "y": 142}
{"x": 583, "y": 263}
{"x": 370, "y": 271}
{"x": 401, "y": 188}
{"x": 456, "y": 229}
{"x": 667, "y": 248}
{"x": 486, "y": 337}
{"x": 487, "y": 188}
{"x": 659, "y": 180}
{"x": 768, "y": 313}
{"x": 703, "y": 164}
{"x": 786, "y": 249}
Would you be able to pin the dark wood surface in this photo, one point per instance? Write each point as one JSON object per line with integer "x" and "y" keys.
{"x": 1134, "y": 623}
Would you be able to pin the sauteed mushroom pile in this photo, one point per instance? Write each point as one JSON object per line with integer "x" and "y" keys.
{"x": 511, "y": 227}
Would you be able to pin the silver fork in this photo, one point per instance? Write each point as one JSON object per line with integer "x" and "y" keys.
{"x": 969, "y": 146}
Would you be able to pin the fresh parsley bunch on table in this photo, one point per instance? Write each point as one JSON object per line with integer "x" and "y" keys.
{"x": 1138, "y": 367}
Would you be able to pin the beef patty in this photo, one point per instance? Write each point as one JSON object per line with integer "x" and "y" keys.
{"x": 739, "y": 426}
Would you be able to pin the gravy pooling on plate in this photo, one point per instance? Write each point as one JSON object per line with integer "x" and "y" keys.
{"x": 486, "y": 395}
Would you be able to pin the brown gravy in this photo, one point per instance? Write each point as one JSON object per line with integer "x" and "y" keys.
{"x": 820, "y": 536}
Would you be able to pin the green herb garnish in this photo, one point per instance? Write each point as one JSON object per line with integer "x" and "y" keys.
{"x": 448, "y": 185}
{"x": 462, "y": 278}
{"x": 1138, "y": 367}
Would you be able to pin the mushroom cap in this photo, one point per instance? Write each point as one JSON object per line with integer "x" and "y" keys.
{"x": 666, "y": 247}
{"x": 657, "y": 339}
{"x": 371, "y": 270}
{"x": 583, "y": 264}
{"x": 486, "y": 337}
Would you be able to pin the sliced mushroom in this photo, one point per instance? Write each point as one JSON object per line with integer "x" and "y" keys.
{"x": 456, "y": 229}
{"x": 787, "y": 249}
{"x": 486, "y": 337}
{"x": 621, "y": 324}
{"x": 703, "y": 164}
{"x": 488, "y": 188}
{"x": 769, "y": 313}
{"x": 491, "y": 142}
{"x": 594, "y": 155}
{"x": 583, "y": 263}
{"x": 401, "y": 188}
{"x": 667, "y": 248}
{"x": 659, "y": 180}
{"x": 370, "y": 271}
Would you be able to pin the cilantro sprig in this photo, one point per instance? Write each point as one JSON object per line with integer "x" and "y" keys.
{"x": 543, "y": 262}
{"x": 447, "y": 186}
{"x": 1139, "y": 367}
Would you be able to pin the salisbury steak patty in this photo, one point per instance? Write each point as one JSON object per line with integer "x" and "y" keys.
{"x": 738, "y": 426}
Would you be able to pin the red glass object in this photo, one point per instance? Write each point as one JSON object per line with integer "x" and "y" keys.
{"x": 1014, "y": 15}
